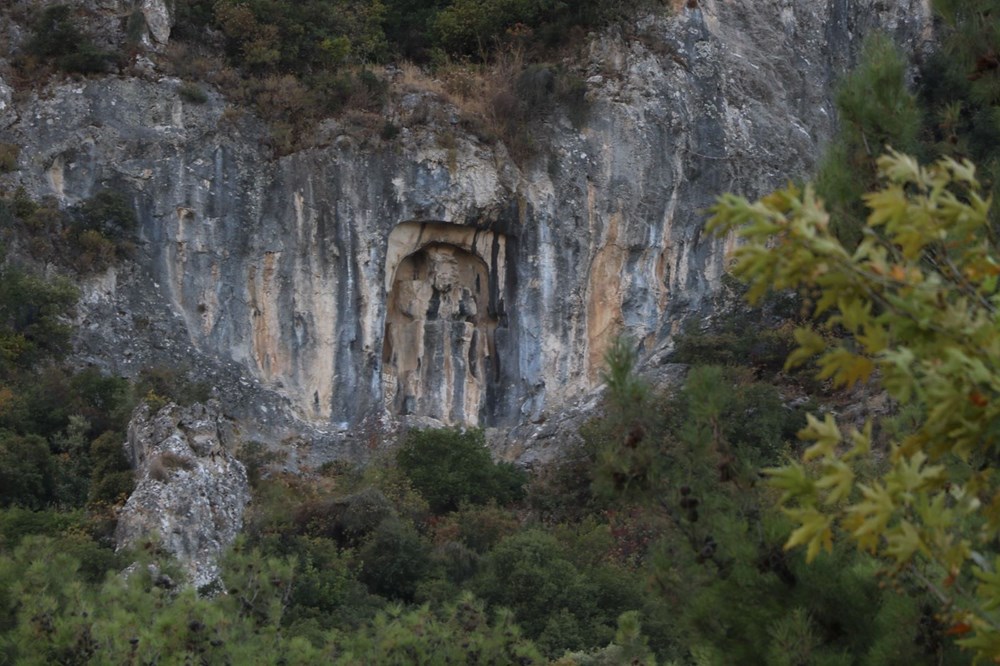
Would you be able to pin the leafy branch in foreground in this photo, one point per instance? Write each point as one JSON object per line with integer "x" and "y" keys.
{"x": 916, "y": 307}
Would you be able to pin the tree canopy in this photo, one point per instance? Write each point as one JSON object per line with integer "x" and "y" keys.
{"x": 915, "y": 308}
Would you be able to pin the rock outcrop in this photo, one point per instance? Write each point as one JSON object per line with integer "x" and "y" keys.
{"x": 430, "y": 275}
{"x": 158, "y": 20}
{"x": 190, "y": 490}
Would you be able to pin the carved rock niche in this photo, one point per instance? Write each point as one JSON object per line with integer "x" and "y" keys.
{"x": 444, "y": 303}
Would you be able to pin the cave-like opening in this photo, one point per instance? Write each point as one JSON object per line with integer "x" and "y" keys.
{"x": 444, "y": 303}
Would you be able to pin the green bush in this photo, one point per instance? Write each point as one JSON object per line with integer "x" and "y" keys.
{"x": 27, "y": 471}
{"x": 326, "y": 590}
{"x": 480, "y": 27}
{"x": 191, "y": 18}
{"x": 739, "y": 338}
{"x": 558, "y": 604}
{"x": 267, "y": 36}
{"x": 461, "y": 633}
{"x": 112, "y": 479}
{"x": 9, "y": 152}
{"x": 706, "y": 537}
{"x": 394, "y": 560}
{"x": 475, "y": 27}
{"x": 54, "y": 32}
{"x": 105, "y": 401}
{"x": 55, "y": 37}
{"x": 407, "y": 25}
{"x": 876, "y": 110}
{"x": 16, "y": 523}
{"x": 192, "y": 92}
{"x": 347, "y": 520}
{"x": 32, "y": 317}
{"x": 449, "y": 467}
{"x": 478, "y": 527}
{"x": 108, "y": 212}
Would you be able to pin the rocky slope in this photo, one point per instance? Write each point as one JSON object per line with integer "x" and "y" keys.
{"x": 431, "y": 276}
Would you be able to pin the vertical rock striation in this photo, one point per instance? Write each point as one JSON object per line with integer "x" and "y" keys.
{"x": 365, "y": 279}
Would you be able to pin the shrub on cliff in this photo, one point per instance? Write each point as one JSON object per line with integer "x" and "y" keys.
{"x": 479, "y": 27}
{"x": 449, "y": 467}
{"x": 32, "y": 318}
{"x": 301, "y": 37}
{"x": 876, "y": 110}
{"x": 56, "y": 38}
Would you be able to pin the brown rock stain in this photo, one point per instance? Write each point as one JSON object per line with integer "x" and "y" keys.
{"x": 264, "y": 293}
{"x": 604, "y": 298}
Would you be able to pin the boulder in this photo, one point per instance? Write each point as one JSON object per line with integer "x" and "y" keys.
{"x": 191, "y": 492}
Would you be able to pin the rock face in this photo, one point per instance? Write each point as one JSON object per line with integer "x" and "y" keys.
{"x": 431, "y": 275}
{"x": 191, "y": 491}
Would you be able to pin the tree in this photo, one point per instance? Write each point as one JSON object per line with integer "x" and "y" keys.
{"x": 914, "y": 307}
{"x": 960, "y": 86}
{"x": 875, "y": 108}
{"x": 448, "y": 467}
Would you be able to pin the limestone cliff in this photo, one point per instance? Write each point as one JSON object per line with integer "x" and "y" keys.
{"x": 438, "y": 278}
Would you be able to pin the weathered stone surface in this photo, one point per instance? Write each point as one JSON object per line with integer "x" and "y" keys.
{"x": 158, "y": 20}
{"x": 190, "y": 489}
{"x": 7, "y": 115}
{"x": 447, "y": 298}
{"x": 285, "y": 273}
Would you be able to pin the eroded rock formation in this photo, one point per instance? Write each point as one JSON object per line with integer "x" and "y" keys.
{"x": 302, "y": 274}
{"x": 190, "y": 490}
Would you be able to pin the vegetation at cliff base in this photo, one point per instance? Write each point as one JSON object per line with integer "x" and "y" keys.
{"x": 354, "y": 566}
{"x": 449, "y": 468}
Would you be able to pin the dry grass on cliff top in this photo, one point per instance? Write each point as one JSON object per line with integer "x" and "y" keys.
{"x": 482, "y": 93}
{"x": 496, "y": 101}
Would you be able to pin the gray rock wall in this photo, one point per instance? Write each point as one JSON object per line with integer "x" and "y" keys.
{"x": 283, "y": 270}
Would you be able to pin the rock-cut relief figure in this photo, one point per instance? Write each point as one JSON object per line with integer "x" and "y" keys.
{"x": 439, "y": 336}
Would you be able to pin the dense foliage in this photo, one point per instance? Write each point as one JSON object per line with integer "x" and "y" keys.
{"x": 317, "y": 34}
{"x": 354, "y": 566}
{"x": 55, "y": 423}
{"x": 901, "y": 283}
{"x": 952, "y": 109}
{"x": 917, "y": 304}
{"x": 960, "y": 87}
{"x": 56, "y": 37}
{"x": 451, "y": 467}
{"x": 876, "y": 109}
